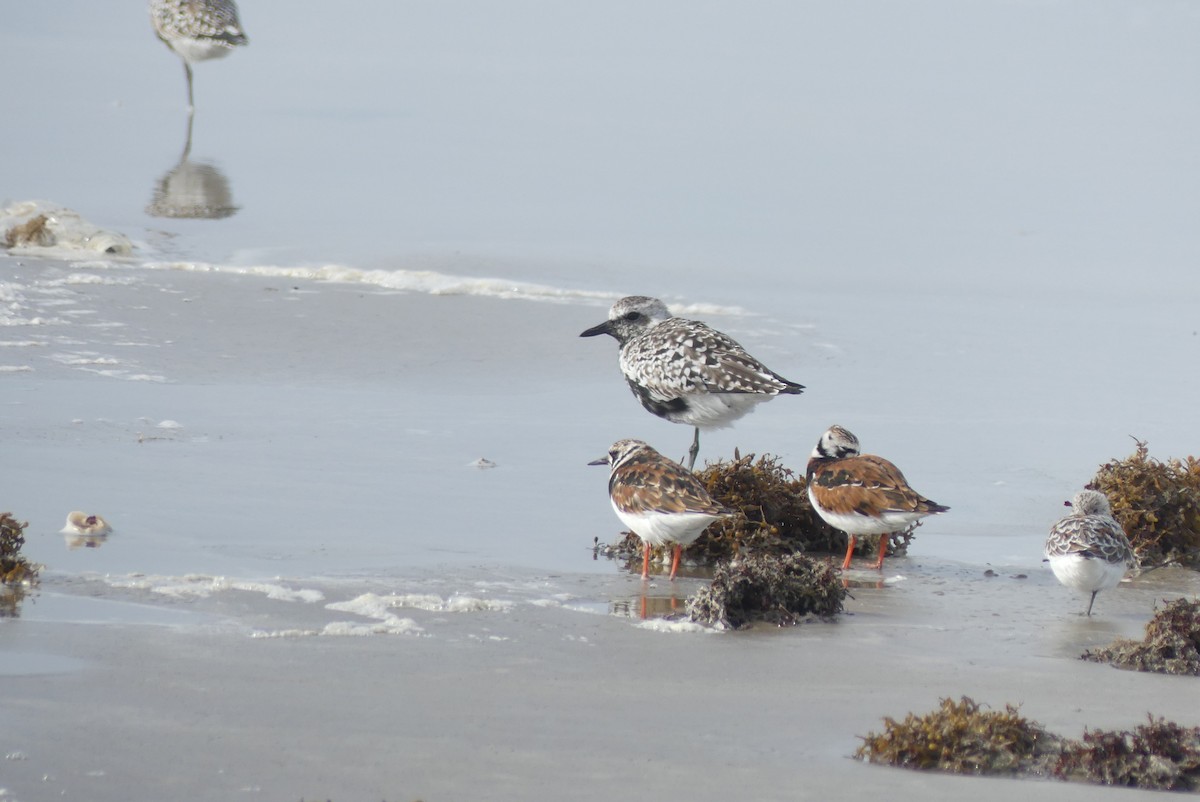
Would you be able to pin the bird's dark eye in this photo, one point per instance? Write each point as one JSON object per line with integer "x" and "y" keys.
{"x": 631, "y": 316}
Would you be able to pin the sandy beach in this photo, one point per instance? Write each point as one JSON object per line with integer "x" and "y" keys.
{"x": 324, "y": 379}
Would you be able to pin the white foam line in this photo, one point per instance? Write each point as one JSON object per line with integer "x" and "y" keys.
{"x": 33, "y": 321}
{"x": 664, "y": 625}
{"x": 426, "y": 281}
{"x": 372, "y": 605}
{"x": 199, "y": 586}
{"x": 73, "y": 359}
{"x": 87, "y": 278}
{"x": 393, "y": 626}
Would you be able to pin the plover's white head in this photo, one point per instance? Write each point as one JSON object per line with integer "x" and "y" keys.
{"x": 1090, "y": 502}
{"x": 835, "y": 444}
{"x": 630, "y": 317}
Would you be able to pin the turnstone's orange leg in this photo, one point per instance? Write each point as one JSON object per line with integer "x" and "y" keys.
{"x": 849, "y": 551}
{"x": 645, "y": 559}
{"x": 883, "y": 544}
{"x": 675, "y": 559}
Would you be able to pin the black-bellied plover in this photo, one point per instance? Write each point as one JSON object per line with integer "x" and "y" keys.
{"x": 658, "y": 499}
{"x": 1088, "y": 549}
{"x": 197, "y": 30}
{"x": 684, "y": 371}
{"x": 861, "y": 494}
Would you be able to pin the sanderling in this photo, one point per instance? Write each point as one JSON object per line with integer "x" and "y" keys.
{"x": 684, "y": 371}
{"x": 1088, "y": 549}
{"x": 861, "y": 494}
{"x": 658, "y": 499}
{"x": 197, "y": 30}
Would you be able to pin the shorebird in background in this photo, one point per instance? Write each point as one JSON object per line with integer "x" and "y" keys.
{"x": 684, "y": 371}
{"x": 655, "y": 497}
{"x": 80, "y": 523}
{"x": 861, "y": 494}
{"x": 1088, "y": 549}
{"x": 197, "y": 30}
{"x": 88, "y": 531}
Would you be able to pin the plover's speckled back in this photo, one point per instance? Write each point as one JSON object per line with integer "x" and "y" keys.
{"x": 1088, "y": 549}
{"x": 861, "y": 494}
{"x": 197, "y": 30}
{"x": 685, "y": 372}
{"x": 658, "y": 499}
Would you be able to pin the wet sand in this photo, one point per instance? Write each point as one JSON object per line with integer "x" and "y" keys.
{"x": 548, "y": 702}
{"x": 218, "y": 645}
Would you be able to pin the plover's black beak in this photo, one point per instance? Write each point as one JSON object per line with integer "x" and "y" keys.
{"x": 1068, "y": 504}
{"x": 603, "y": 328}
{"x": 601, "y": 461}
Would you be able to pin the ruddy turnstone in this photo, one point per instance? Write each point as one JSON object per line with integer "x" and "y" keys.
{"x": 1088, "y": 549}
{"x": 861, "y": 494}
{"x": 684, "y": 371}
{"x": 197, "y": 30}
{"x": 658, "y": 499}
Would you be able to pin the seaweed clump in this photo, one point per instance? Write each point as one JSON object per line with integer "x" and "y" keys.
{"x": 1157, "y": 503}
{"x": 782, "y": 590}
{"x": 1171, "y": 646}
{"x": 775, "y": 516}
{"x": 16, "y": 573}
{"x": 34, "y": 231}
{"x": 1160, "y": 755}
{"x": 959, "y": 737}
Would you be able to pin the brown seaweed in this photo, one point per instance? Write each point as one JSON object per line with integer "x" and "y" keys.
{"x": 1157, "y": 503}
{"x": 779, "y": 589}
{"x": 963, "y": 738}
{"x": 16, "y": 573}
{"x": 1160, "y": 755}
{"x": 1171, "y": 645}
{"x": 773, "y": 515}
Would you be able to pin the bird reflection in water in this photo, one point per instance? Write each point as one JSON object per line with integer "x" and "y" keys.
{"x": 196, "y": 30}
{"x": 645, "y": 606}
{"x": 192, "y": 190}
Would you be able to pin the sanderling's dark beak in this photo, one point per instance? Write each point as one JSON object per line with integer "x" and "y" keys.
{"x": 601, "y": 461}
{"x": 1068, "y": 504}
{"x": 603, "y": 328}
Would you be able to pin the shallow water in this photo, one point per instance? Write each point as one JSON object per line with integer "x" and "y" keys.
{"x": 969, "y": 231}
{"x": 701, "y": 151}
